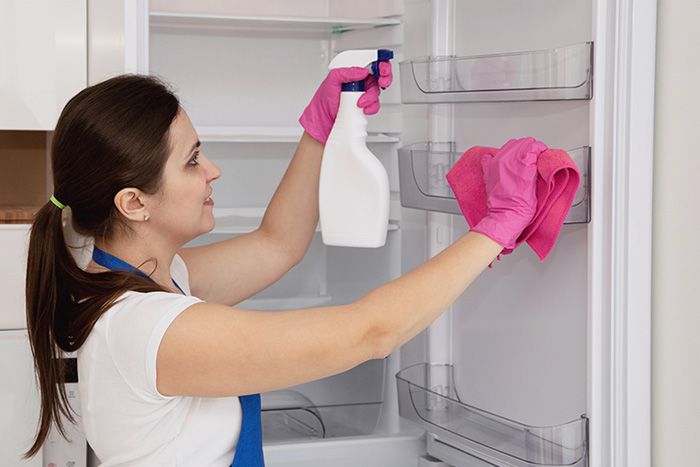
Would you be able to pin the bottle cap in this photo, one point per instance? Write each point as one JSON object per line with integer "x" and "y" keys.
{"x": 353, "y": 86}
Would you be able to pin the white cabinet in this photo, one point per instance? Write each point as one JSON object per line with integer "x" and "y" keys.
{"x": 43, "y": 50}
{"x": 13, "y": 260}
{"x": 19, "y": 400}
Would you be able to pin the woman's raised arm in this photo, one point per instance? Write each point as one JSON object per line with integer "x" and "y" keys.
{"x": 211, "y": 350}
{"x": 233, "y": 270}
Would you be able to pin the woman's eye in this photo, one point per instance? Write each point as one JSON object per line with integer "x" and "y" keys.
{"x": 193, "y": 161}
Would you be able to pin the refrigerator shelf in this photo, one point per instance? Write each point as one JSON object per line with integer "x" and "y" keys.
{"x": 423, "y": 167}
{"x": 292, "y": 134}
{"x": 428, "y": 398}
{"x": 235, "y": 221}
{"x": 162, "y": 19}
{"x": 564, "y": 73}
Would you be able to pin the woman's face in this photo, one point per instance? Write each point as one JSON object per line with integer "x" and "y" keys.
{"x": 184, "y": 207}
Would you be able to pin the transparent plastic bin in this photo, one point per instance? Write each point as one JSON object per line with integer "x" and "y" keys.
{"x": 343, "y": 405}
{"x": 423, "y": 167}
{"x": 563, "y": 73}
{"x": 428, "y": 397}
{"x": 289, "y": 415}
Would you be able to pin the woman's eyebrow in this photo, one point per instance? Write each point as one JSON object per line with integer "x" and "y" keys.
{"x": 194, "y": 146}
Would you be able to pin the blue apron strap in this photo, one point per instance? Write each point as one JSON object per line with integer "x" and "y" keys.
{"x": 110, "y": 261}
{"x": 249, "y": 452}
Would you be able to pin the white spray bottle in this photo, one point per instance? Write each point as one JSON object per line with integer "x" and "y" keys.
{"x": 354, "y": 185}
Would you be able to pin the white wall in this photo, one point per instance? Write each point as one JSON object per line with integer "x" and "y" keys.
{"x": 676, "y": 229}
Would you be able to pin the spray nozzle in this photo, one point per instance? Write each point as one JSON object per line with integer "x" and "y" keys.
{"x": 361, "y": 58}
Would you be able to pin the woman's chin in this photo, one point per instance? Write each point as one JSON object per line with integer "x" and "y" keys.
{"x": 210, "y": 225}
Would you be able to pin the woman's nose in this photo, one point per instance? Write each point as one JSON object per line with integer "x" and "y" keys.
{"x": 215, "y": 172}
{"x": 212, "y": 170}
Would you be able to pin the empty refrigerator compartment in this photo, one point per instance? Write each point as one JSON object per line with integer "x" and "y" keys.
{"x": 562, "y": 73}
{"x": 423, "y": 166}
{"x": 221, "y": 43}
{"x": 428, "y": 397}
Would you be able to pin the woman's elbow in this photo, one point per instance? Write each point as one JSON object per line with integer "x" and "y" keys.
{"x": 380, "y": 338}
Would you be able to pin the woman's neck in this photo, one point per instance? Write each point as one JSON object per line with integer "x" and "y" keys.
{"x": 152, "y": 260}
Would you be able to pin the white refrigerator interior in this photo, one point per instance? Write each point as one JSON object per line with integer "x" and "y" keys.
{"x": 538, "y": 363}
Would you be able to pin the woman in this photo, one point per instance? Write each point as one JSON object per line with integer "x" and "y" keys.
{"x": 169, "y": 372}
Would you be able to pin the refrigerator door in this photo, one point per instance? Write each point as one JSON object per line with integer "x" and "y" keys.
{"x": 19, "y": 400}
{"x": 537, "y": 344}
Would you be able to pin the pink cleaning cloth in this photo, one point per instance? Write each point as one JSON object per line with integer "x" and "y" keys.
{"x": 557, "y": 182}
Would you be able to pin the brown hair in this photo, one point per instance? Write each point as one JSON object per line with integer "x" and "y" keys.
{"x": 110, "y": 136}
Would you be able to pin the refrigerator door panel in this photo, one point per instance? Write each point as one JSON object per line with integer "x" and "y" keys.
{"x": 19, "y": 400}
{"x": 519, "y": 335}
{"x": 485, "y": 28}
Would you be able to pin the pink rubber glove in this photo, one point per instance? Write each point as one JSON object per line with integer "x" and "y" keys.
{"x": 320, "y": 114}
{"x": 511, "y": 182}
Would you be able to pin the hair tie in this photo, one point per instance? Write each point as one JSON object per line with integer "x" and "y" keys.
{"x": 58, "y": 204}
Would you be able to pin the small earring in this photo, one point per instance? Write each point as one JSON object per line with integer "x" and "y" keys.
{"x": 145, "y": 218}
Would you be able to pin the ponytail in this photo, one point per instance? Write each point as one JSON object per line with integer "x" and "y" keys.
{"x": 44, "y": 294}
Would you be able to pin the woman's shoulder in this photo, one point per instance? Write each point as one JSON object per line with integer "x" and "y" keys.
{"x": 137, "y": 304}
{"x": 140, "y": 314}
{"x": 136, "y": 322}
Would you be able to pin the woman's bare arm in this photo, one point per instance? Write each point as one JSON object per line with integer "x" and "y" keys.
{"x": 212, "y": 350}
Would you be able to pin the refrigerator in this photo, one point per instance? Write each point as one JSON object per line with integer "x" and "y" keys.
{"x": 538, "y": 363}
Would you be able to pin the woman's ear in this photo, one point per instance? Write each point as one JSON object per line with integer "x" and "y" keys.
{"x": 130, "y": 203}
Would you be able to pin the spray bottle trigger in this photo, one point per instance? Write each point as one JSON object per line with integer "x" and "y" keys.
{"x": 382, "y": 56}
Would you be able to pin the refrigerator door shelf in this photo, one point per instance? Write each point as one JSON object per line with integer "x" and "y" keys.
{"x": 475, "y": 433}
{"x": 459, "y": 458}
{"x": 422, "y": 170}
{"x": 564, "y": 73}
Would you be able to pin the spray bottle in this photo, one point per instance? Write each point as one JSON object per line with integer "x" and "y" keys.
{"x": 354, "y": 186}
